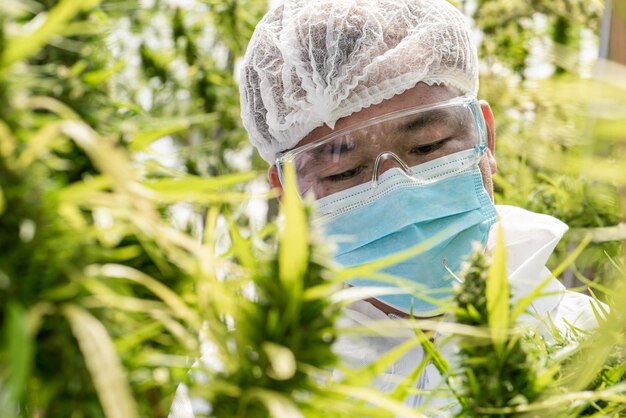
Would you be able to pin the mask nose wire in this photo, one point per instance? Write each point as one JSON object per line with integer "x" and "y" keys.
{"x": 384, "y": 156}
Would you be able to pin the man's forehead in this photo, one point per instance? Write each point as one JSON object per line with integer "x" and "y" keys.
{"x": 421, "y": 94}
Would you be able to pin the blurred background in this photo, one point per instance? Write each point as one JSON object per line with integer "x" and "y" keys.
{"x": 126, "y": 177}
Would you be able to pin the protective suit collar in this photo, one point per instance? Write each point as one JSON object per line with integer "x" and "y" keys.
{"x": 530, "y": 239}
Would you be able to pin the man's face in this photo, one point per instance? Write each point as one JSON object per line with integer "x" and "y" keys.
{"x": 420, "y": 95}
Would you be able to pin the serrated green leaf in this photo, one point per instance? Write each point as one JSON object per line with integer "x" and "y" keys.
{"x": 241, "y": 247}
{"x": 102, "y": 362}
{"x": 293, "y": 256}
{"x": 376, "y": 398}
{"x": 139, "y": 336}
{"x": 201, "y": 184}
{"x": 278, "y": 405}
{"x": 53, "y": 106}
{"x": 440, "y": 363}
{"x": 7, "y": 143}
{"x": 79, "y": 190}
{"x": 430, "y": 354}
{"x": 381, "y": 364}
{"x": 97, "y": 77}
{"x": 497, "y": 292}
{"x": 39, "y": 143}
{"x": 144, "y": 138}
{"x": 2, "y": 201}
{"x": 19, "y": 351}
{"x": 171, "y": 299}
{"x": 22, "y": 47}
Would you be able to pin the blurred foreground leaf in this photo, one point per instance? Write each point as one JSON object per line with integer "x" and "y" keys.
{"x": 103, "y": 363}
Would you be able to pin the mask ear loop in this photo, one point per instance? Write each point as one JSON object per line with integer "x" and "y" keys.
{"x": 384, "y": 157}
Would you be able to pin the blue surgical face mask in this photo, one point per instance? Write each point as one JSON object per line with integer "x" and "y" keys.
{"x": 449, "y": 203}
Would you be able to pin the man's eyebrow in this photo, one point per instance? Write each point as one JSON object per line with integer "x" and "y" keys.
{"x": 424, "y": 119}
{"x": 333, "y": 150}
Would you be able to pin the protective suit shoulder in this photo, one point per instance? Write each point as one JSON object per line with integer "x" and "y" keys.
{"x": 530, "y": 239}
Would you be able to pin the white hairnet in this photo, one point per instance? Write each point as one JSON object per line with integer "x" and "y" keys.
{"x": 312, "y": 62}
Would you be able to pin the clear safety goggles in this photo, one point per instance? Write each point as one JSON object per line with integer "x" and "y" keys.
{"x": 406, "y": 139}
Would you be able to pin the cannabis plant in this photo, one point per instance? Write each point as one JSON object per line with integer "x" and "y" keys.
{"x": 511, "y": 370}
{"x": 501, "y": 369}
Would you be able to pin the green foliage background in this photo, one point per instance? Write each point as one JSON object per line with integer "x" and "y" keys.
{"x": 124, "y": 233}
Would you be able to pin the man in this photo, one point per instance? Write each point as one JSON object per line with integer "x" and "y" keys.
{"x": 374, "y": 103}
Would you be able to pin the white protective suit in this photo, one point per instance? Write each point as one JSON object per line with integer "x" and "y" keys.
{"x": 530, "y": 239}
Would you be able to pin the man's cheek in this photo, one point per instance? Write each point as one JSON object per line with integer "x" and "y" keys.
{"x": 485, "y": 171}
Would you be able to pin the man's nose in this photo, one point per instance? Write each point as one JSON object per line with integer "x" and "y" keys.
{"x": 384, "y": 162}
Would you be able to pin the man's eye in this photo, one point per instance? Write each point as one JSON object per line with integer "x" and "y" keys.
{"x": 428, "y": 148}
{"x": 345, "y": 175}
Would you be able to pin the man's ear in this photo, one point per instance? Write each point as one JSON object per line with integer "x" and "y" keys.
{"x": 272, "y": 175}
{"x": 491, "y": 135}
{"x": 491, "y": 126}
